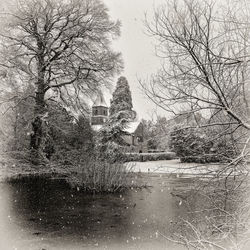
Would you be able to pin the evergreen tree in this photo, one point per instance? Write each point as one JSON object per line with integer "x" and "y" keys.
{"x": 110, "y": 137}
{"x": 121, "y": 104}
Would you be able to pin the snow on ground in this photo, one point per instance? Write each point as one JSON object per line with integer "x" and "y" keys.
{"x": 174, "y": 167}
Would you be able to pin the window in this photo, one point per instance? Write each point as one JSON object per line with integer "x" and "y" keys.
{"x": 140, "y": 138}
{"x": 95, "y": 111}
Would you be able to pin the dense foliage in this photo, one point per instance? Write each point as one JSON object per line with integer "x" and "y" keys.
{"x": 64, "y": 132}
{"x": 141, "y": 157}
{"x": 196, "y": 145}
{"x": 156, "y": 133}
{"x": 110, "y": 141}
{"x": 122, "y": 100}
{"x": 69, "y": 138}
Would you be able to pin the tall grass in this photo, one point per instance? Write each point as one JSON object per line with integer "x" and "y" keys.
{"x": 96, "y": 176}
{"x": 82, "y": 171}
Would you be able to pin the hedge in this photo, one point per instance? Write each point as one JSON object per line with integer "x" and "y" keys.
{"x": 150, "y": 156}
{"x": 198, "y": 146}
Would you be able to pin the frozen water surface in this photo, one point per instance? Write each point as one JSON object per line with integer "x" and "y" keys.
{"x": 43, "y": 214}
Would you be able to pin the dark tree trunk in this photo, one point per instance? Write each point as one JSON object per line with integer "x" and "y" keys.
{"x": 38, "y": 136}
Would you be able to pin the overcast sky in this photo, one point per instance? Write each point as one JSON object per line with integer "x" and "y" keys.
{"x": 136, "y": 47}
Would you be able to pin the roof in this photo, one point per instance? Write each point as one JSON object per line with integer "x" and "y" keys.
{"x": 100, "y": 101}
{"x": 131, "y": 127}
{"x": 96, "y": 127}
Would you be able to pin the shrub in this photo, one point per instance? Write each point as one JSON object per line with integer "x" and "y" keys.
{"x": 195, "y": 145}
{"x": 150, "y": 156}
{"x": 86, "y": 173}
{"x": 110, "y": 152}
{"x": 96, "y": 176}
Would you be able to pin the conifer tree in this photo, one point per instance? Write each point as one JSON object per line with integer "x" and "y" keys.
{"x": 121, "y": 103}
{"x": 111, "y": 136}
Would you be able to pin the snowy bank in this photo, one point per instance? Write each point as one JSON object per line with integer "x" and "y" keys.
{"x": 177, "y": 168}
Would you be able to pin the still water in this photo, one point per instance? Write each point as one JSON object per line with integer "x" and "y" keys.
{"x": 47, "y": 214}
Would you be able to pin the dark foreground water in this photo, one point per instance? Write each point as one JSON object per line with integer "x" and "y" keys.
{"x": 47, "y": 214}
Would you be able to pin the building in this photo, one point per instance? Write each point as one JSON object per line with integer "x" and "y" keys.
{"x": 99, "y": 114}
{"x": 134, "y": 130}
{"x": 135, "y": 137}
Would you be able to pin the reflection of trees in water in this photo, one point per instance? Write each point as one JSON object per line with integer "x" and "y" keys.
{"x": 51, "y": 206}
{"x": 218, "y": 213}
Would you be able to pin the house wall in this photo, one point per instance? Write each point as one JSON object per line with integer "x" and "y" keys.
{"x": 98, "y": 120}
{"x": 99, "y": 111}
{"x": 136, "y": 141}
{"x": 128, "y": 139}
{"x": 139, "y": 133}
{"x": 99, "y": 115}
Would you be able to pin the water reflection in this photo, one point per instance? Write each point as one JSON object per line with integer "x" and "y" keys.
{"x": 47, "y": 214}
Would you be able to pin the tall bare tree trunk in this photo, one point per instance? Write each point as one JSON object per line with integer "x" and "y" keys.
{"x": 38, "y": 136}
{"x": 37, "y": 124}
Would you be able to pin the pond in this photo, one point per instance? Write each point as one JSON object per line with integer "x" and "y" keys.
{"x": 46, "y": 214}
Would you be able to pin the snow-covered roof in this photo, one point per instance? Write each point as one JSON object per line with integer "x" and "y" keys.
{"x": 131, "y": 127}
{"x": 100, "y": 101}
{"x": 96, "y": 127}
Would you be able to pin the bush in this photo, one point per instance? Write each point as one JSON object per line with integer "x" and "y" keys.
{"x": 110, "y": 152}
{"x": 195, "y": 145}
{"x": 150, "y": 156}
{"x": 86, "y": 173}
{"x": 96, "y": 176}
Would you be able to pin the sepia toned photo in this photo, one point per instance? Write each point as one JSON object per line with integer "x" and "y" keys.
{"x": 124, "y": 124}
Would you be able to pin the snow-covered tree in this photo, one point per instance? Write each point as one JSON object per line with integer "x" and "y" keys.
{"x": 110, "y": 139}
{"x": 205, "y": 64}
{"x": 59, "y": 47}
{"x": 121, "y": 103}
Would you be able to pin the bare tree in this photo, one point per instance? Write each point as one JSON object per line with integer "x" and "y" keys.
{"x": 60, "y": 47}
{"x": 205, "y": 52}
{"x": 204, "y": 49}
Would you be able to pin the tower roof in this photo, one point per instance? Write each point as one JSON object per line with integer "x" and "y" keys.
{"x": 100, "y": 101}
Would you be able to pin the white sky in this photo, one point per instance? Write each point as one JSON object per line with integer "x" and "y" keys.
{"x": 136, "y": 47}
